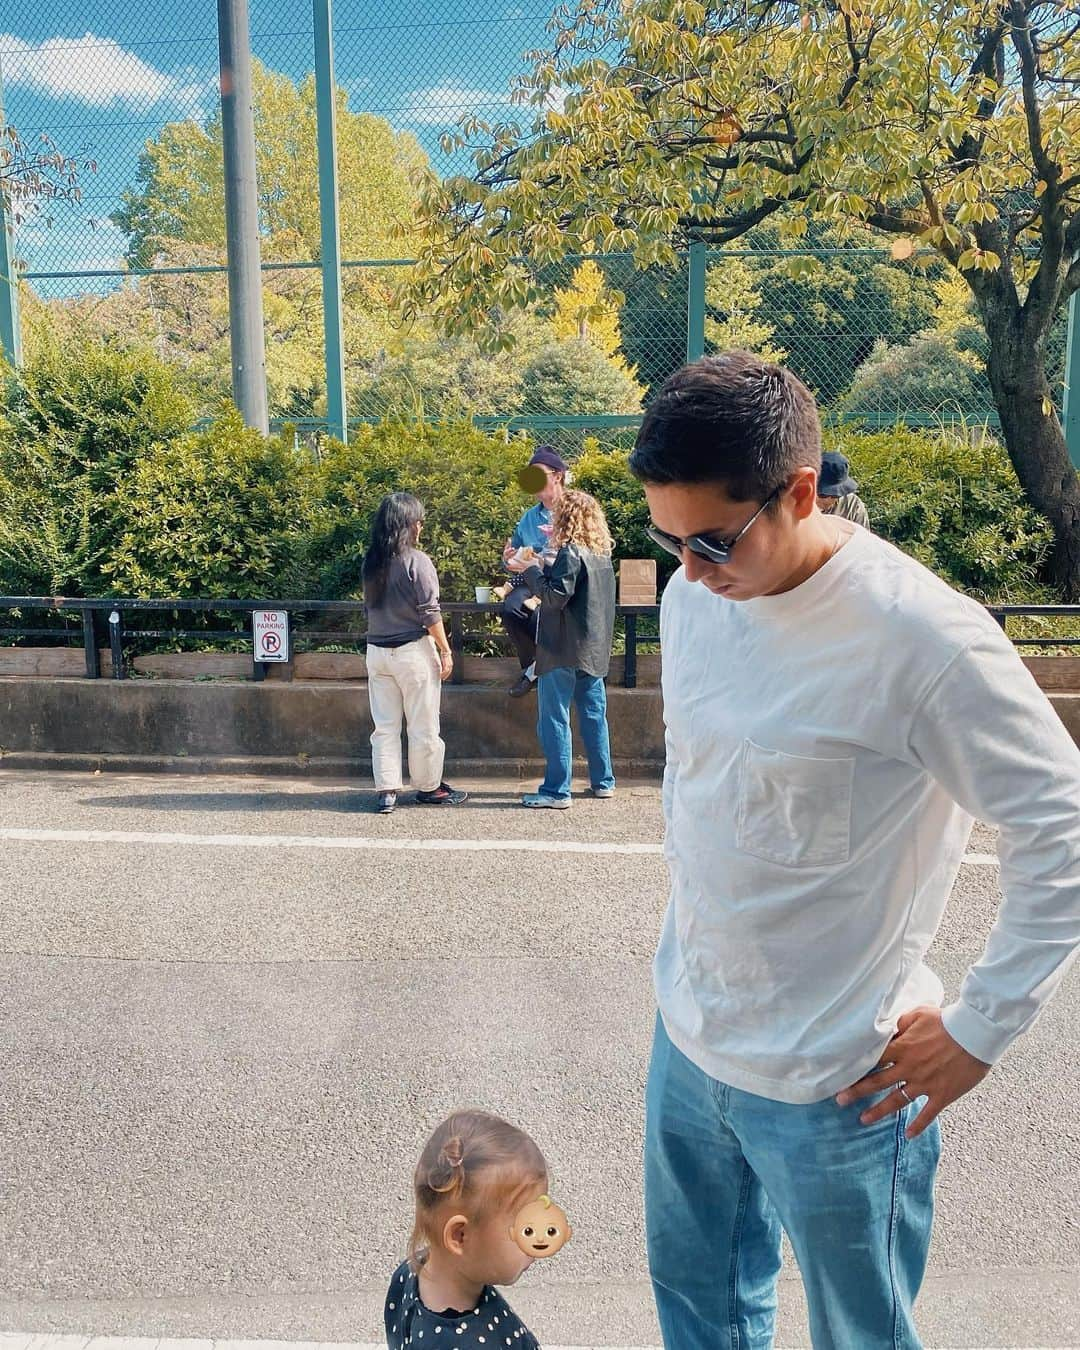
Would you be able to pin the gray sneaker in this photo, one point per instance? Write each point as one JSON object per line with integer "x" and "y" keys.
{"x": 443, "y": 795}
{"x": 601, "y": 792}
{"x": 387, "y": 802}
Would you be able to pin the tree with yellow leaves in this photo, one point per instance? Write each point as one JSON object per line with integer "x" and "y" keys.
{"x": 586, "y": 309}
{"x": 953, "y": 124}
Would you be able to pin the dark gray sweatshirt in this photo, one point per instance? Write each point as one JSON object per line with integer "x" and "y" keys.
{"x": 409, "y": 604}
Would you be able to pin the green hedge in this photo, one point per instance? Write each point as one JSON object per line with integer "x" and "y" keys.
{"x": 104, "y": 490}
{"x": 465, "y": 478}
{"x": 953, "y": 501}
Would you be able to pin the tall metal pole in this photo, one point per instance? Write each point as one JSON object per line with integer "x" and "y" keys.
{"x": 326, "y": 121}
{"x": 246, "y": 337}
{"x": 1070, "y": 415}
{"x": 10, "y": 335}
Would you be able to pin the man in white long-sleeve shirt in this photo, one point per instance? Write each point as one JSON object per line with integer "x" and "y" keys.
{"x": 836, "y": 716}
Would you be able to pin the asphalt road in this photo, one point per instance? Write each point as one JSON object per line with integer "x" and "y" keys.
{"x": 232, "y": 1009}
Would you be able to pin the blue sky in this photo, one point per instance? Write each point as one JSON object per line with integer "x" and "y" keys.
{"x": 108, "y": 75}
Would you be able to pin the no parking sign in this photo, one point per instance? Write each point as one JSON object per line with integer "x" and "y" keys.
{"x": 271, "y": 632}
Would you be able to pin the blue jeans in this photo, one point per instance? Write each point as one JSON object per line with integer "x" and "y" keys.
{"x": 726, "y": 1170}
{"x": 556, "y": 691}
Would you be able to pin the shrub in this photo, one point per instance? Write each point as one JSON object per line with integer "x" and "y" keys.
{"x": 223, "y": 512}
{"x": 74, "y": 423}
{"x": 949, "y": 499}
{"x": 931, "y": 372}
{"x": 465, "y": 478}
{"x": 576, "y": 379}
{"x": 953, "y": 501}
{"x": 97, "y": 409}
{"x": 104, "y": 490}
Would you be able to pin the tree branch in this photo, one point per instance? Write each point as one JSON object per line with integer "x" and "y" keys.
{"x": 732, "y": 227}
{"x": 890, "y": 223}
{"x": 986, "y": 63}
{"x": 1021, "y": 36}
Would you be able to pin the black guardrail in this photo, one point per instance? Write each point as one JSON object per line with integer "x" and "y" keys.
{"x": 102, "y": 621}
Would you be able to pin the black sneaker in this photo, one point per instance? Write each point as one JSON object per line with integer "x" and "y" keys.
{"x": 524, "y": 686}
{"x": 387, "y": 802}
{"x": 444, "y": 795}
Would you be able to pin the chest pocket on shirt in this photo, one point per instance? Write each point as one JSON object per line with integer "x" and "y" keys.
{"x": 793, "y": 809}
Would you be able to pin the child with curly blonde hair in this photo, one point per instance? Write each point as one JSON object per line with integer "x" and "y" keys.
{"x": 475, "y": 1176}
{"x": 573, "y": 646}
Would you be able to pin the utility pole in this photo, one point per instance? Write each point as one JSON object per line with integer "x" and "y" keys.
{"x": 246, "y": 336}
{"x": 326, "y": 121}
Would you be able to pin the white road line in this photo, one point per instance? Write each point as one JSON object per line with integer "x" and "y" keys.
{"x": 47, "y": 1341}
{"x": 355, "y": 843}
{"x": 51, "y": 1342}
{"x": 322, "y": 841}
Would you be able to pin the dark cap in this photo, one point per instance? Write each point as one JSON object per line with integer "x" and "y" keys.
{"x": 550, "y": 458}
{"x": 835, "y": 480}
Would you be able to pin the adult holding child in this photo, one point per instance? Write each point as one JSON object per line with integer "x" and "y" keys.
{"x": 573, "y": 646}
{"x": 533, "y": 531}
{"x": 408, "y": 655}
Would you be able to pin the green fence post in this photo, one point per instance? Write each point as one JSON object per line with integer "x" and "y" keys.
{"x": 326, "y": 121}
{"x": 695, "y": 302}
{"x": 10, "y": 336}
{"x": 1070, "y": 414}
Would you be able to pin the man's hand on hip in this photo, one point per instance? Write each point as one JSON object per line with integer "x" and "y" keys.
{"x": 921, "y": 1060}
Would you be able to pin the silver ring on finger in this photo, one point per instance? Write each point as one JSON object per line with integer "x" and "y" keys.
{"x": 902, "y": 1089}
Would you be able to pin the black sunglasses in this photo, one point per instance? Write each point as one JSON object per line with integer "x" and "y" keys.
{"x": 710, "y": 547}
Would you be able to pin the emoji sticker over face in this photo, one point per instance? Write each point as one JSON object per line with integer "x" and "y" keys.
{"x": 541, "y": 1228}
{"x": 532, "y": 479}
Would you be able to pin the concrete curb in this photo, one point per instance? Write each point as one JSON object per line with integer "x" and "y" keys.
{"x": 279, "y": 766}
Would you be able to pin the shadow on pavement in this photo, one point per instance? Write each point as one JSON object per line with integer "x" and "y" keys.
{"x": 353, "y": 801}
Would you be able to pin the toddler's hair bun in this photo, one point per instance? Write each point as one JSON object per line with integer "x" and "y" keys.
{"x": 453, "y": 1151}
{"x": 448, "y": 1173}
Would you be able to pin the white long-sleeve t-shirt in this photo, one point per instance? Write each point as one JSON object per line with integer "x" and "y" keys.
{"x": 827, "y": 751}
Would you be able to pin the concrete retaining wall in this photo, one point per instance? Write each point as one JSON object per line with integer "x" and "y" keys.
{"x": 313, "y": 727}
{"x": 278, "y": 727}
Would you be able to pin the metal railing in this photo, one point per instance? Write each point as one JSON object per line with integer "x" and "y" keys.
{"x": 1002, "y": 612}
{"x": 102, "y": 623}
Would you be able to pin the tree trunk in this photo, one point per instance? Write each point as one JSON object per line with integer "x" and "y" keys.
{"x": 1036, "y": 446}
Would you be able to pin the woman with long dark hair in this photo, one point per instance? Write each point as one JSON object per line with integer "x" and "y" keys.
{"x": 408, "y": 655}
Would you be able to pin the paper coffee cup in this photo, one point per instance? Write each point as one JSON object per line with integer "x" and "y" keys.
{"x": 483, "y": 595}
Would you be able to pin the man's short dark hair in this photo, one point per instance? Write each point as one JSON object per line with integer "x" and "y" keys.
{"x": 735, "y": 420}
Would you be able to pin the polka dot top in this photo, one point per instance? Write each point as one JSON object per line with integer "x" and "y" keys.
{"x": 491, "y": 1325}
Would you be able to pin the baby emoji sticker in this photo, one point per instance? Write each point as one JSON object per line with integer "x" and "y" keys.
{"x": 541, "y": 1228}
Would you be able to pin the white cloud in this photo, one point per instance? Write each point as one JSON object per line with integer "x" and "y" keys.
{"x": 92, "y": 70}
{"x": 443, "y": 104}
{"x": 79, "y": 246}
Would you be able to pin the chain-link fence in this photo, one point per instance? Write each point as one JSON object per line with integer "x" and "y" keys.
{"x": 142, "y": 254}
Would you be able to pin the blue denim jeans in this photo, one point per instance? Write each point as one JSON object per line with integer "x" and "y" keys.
{"x": 556, "y": 691}
{"x": 725, "y": 1171}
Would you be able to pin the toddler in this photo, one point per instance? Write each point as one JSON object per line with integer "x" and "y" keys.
{"x": 476, "y": 1176}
